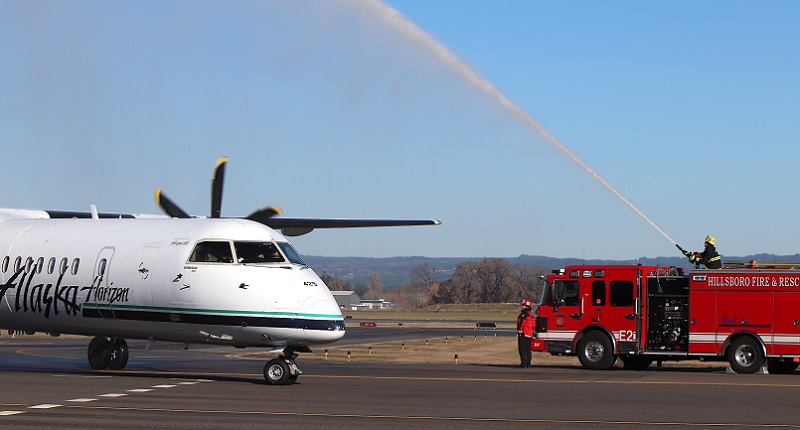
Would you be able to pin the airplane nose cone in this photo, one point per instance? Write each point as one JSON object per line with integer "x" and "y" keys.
{"x": 329, "y": 329}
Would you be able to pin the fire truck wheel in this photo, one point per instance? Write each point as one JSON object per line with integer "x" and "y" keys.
{"x": 745, "y": 355}
{"x": 635, "y": 362}
{"x": 595, "y": 352}
{"x": 781, "y": 366}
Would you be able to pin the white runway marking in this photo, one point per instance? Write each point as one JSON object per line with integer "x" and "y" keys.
{"x": 44, "y": 406}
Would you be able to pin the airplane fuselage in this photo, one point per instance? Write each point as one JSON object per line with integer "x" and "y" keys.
{"x": 159, "y": 279}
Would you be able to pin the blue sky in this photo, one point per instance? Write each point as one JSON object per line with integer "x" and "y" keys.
{"x": 688, "y": 108}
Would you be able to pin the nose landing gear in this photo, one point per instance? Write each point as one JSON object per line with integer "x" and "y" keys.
{"x": 283, "y": 370}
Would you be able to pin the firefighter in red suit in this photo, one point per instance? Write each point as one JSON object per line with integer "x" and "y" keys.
{"x": 525, "y": 333}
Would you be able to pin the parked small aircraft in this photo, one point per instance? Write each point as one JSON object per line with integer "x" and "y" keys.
{"x": 178, "y": 278}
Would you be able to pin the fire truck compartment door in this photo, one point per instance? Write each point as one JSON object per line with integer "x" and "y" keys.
{"x": 745, "y": 310}
{"x": 621, "y": 314}
{"x": 703, "y": 322}
{"x": 786, "y": 324}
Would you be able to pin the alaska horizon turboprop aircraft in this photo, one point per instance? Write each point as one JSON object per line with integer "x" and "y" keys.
{"x": 177, "y": 278}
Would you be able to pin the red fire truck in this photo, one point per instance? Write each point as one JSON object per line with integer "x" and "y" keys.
{"x": 747, "y": 313}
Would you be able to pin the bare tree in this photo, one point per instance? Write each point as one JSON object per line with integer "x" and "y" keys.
{"x": 361, "y": 289}
{"x": 334, "y": 283}
{"x": 374, "y": 289}
{"x": 464, "y": 283}
{"x": 524, "y": 279}
{"x": 493, "y": 276}
{"x": 424, "y": 275}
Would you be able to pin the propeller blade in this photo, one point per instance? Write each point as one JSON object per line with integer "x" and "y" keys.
{"x": 217, "y": 179}
{"x": 263, "y": 214}
{"x": 169, "y": 207}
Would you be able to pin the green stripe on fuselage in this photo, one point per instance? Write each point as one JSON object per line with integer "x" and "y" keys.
{"x": 111, "y": 307}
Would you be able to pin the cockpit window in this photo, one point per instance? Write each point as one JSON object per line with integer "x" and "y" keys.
{"x": 257, "y": 252}
{"x": 212, "y": 252}
{"x": 291, "y": 254}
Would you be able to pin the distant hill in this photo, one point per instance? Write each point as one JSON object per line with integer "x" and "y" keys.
{"x": 397, "y": 270}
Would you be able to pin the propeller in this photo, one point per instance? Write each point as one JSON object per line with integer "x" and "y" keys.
{"x": 217, "y": 180}
{"x": 266, "y": 215}
{"x": 168, "y": 206}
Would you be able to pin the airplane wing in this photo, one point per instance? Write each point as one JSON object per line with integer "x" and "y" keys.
{"x": 287, "y": 226}
{"x": 300, "y": 226}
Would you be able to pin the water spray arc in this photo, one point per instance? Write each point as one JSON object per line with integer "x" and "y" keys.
{"x": 410, "y": 30}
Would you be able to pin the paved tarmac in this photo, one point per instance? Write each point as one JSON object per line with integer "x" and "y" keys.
{"x": 47, "y": 383}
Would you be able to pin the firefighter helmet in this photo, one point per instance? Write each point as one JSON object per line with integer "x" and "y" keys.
{"x": 710, "y": 240}
{"x": 526, "y": 303}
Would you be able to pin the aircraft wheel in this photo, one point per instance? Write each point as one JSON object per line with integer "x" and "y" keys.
{"x": 119, "y": 354}
{"x": 745, "y": 355}
{"x": 276, "y": 372}
{"x": 99, "y": 353}
{"x": 595, "y": 351}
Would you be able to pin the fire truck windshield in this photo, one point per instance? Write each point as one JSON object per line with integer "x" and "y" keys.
{"x": 545, "y": 299}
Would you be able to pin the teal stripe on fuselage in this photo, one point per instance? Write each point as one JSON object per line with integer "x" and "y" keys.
{"x": 111, "y": 307}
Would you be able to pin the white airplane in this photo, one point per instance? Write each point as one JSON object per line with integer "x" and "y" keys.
{"x": 224, "y": 281}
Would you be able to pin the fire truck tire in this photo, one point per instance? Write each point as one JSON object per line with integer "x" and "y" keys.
{"x": 745, "y": 355}
{"x": 781, "y": 366}
{"x": 635, "y": 362}
{"x": 595, "y": 351}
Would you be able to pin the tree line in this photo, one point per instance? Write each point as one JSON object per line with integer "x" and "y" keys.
{"x": 492, "y": 280}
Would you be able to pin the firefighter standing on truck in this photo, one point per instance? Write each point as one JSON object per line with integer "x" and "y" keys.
{"x": 525, "y": 334}
{"x": 709, "y": 257}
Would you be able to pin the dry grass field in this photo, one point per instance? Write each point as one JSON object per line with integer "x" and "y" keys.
{"x": 484, "y": 347}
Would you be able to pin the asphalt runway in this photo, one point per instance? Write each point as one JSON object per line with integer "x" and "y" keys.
{"x": 47, "y": 383}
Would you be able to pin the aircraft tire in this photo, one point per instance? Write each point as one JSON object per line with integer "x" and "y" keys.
{"x": 99, "y": 353}
{"x": 118, "y": 354}
{"x": 276, "y": 372}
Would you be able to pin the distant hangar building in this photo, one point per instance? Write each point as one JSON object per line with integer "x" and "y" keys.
{"x": 346, "y": 299}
